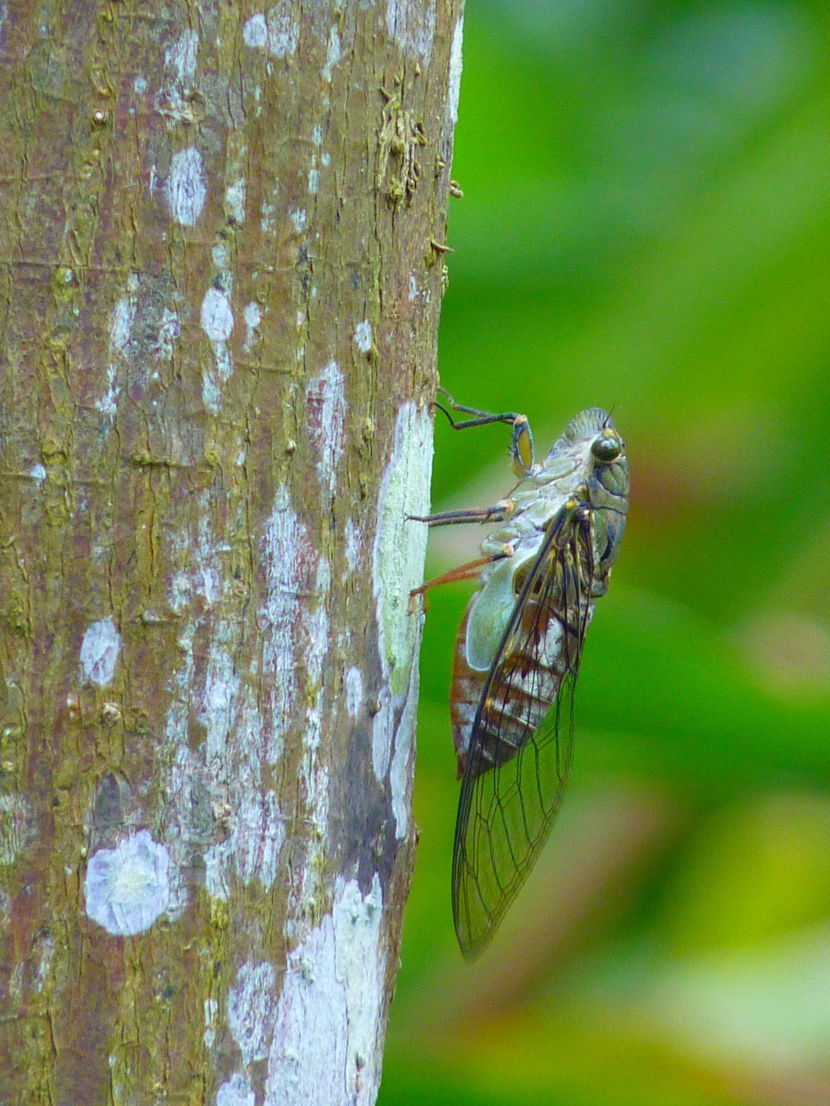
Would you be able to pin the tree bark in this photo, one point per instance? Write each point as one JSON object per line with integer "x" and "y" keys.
{"x": 220, "y": 281}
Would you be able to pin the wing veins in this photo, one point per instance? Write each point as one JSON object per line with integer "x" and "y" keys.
{"x": 559, "y": 564}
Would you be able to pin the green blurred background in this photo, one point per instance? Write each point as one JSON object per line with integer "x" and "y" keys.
{"x": 646, "y": 227}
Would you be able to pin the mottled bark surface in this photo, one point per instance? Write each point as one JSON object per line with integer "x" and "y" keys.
{"x": 219, "y": 298}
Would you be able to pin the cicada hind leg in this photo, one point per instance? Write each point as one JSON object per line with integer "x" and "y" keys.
{"x": 469, "y": 571}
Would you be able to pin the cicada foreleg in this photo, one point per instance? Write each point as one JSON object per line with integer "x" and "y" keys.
{"x": 521, "y": 441}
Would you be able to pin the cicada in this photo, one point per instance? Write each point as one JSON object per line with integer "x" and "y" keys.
{"x": 518, "y": 651}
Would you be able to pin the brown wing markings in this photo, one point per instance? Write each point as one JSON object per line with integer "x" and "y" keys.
{"x": 508, "y": 797}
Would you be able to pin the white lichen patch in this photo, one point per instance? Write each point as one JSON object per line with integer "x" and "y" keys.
{"x": 313, "y": 182}
{"x": 108, "y": 404}
{"x": 352, "y": 547}
{"x": 16, "y": 827}
{"x": 286, "y": 555}
{"x": 455, "y": 71}
{"x": 217, "y": 871}
{"x": 253, "y": 317}
{"x": 165, "y": 336}
{"x": 296, "y": 643}
{"x": 413, "y": 288}
{"x": 278, "y": 33}
{"x": 313, "y": 773}
{"x": 314, "y": 777}
{"x": 143, "y": 332}
{"x": 325, "y": 406}
{"x": 255, "y": 32}
{"x": 298, "y": 218}
{"x": 328, "y": 1019}
{"x": 221, "y": 255}
{"x": 317, "y": 134}
{"x": 235, "y": 202}
{"x": 187, "y": 816}
{"x": 412, "y": 25}
{"x": 99, "y": 652}
{"x": 181, "y": 56}
{"x": 283, "y": 30}
{"x": 121, "y": 326}
{"x": 44, "y": 950}
{"x": 38, "y": 473}
{"x": 127, "y": 888}
{"x": 400, "y": 769}
{"x": 224, "y": 777}
{"x": 216, "y": 315}
{"x": 216, "y": 318}
{"x": 236, "y": 1092}
{"x": 317, "y": 628}
{"x": 186, "y": 192}
{"x": 354, "y": 691}
{"x": 383, "y": 733}
{"x": 219, "y": 697}
{"x": 332, "y": 55}
{"x": 211, "y": 1018}
{"x": 363, "y": 336}
{"x": 174, "y": 101}
{"x": 295, "y": 635}
{"x": 198, "y": 569}
{"x": 252, "y": 1010}
{"x": 123, "y": 317}
{"x": 142, "y": 328}
{"x": 257, "y": 837}
{"x": 268, "y": 218}
{"x": 211, "y": 392}
{"x": 400, "y": 545}
{"x": 360, "y": 966}
{"x": 307, "y": 1061}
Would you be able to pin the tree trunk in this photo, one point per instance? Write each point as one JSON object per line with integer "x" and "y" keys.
{"x": 220, "y": 281}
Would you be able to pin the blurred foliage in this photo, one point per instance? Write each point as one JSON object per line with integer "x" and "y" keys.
{"x": 646, "y": 227}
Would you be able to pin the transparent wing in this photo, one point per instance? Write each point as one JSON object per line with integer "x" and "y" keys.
{"x": 522, "y": 735}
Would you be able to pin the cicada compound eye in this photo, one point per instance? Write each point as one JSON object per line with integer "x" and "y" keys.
{"x": 607, "y": 447}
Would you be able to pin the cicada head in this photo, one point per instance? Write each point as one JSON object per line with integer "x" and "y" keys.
{"x": 607, "y": 484}
{"x": 597, "y": 450}
{"x": 610, "y": 469}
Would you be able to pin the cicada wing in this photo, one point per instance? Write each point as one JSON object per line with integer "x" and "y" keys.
{"x": 521, "y": 741}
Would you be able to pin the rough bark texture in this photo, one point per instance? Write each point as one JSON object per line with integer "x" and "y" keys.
{"x": 219, "y": 297}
